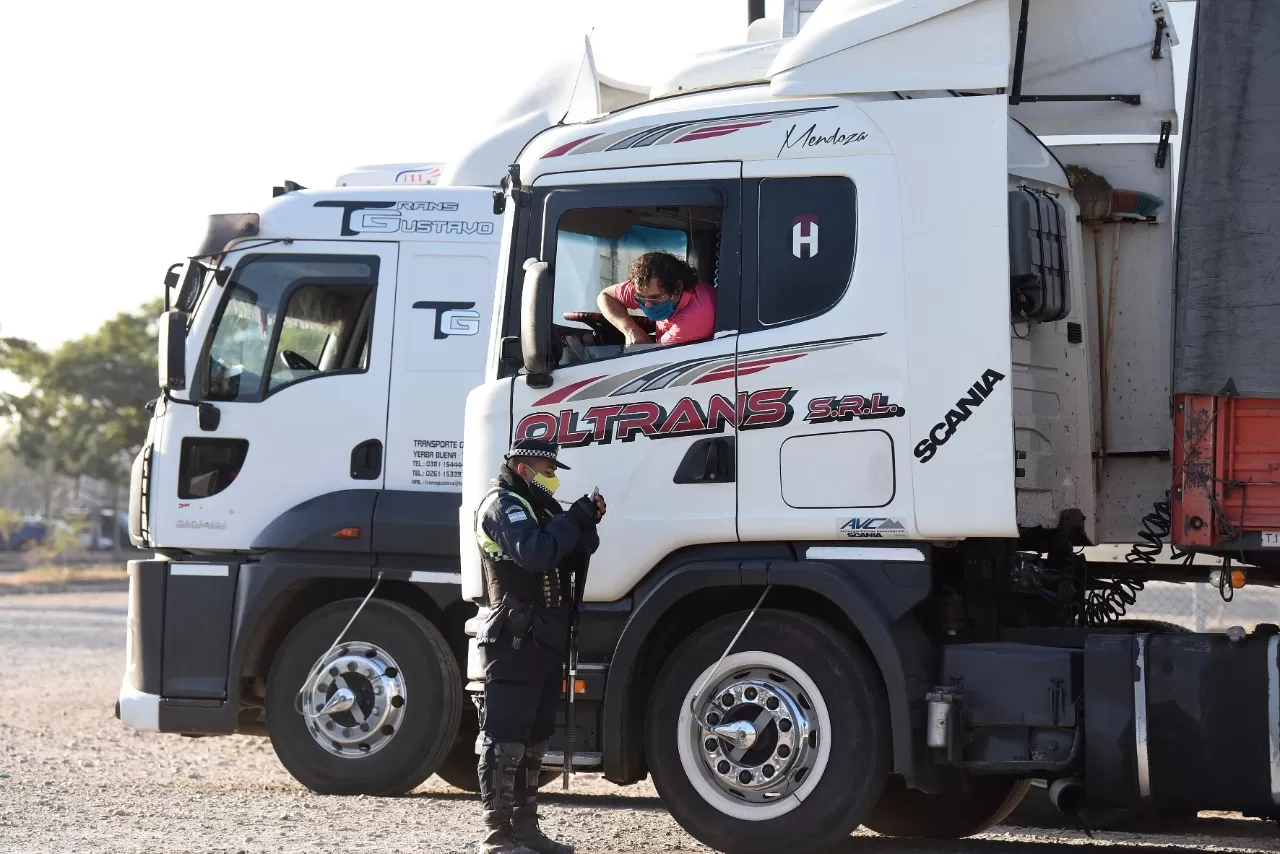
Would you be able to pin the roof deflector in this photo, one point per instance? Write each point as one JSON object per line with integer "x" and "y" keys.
{"x": 1094, "y": 67}
{"x": 569, "y": 90}
{"x": 862, "y": 46}
{"x": 1087, "y": 66}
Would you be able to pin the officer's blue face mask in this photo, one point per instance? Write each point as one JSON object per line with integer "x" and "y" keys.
{"x": 659, "y": 311}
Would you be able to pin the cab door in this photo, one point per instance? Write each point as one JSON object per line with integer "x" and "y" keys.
{"x": 295, "y": 364}
{"x": 655, "y": 428}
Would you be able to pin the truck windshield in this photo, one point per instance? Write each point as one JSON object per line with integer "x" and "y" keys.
{"x": 285, "y": 318}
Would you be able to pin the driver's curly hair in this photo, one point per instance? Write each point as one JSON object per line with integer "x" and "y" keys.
{"x": 669, "y": 270}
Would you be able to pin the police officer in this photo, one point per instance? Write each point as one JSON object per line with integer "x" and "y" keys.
{"x": 530, "y": 547}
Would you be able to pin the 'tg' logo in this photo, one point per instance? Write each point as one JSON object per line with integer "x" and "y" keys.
{"x": 453, "y": 318}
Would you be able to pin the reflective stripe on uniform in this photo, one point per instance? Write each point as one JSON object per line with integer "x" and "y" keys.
{"x": 487, "y": 543}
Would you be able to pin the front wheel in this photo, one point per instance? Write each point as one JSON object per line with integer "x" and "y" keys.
{"x": 786, "y": 748}
{"x": 378, "y": 712}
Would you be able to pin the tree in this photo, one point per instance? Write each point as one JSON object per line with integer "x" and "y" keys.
{"x": 84, "y": 408}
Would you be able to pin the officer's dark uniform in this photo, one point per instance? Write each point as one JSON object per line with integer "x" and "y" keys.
{"x": 529, "y": 548}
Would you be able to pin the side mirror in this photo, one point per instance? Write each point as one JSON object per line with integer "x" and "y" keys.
{"x": 535, "y": 322}
{"x": 189, "y": 290}
{"x": 172, "y": 358}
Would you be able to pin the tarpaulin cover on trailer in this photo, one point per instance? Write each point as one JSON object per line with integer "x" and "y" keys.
{"x": 1227, "y": 300}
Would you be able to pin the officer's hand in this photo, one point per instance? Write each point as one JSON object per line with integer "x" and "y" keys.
{"x": 582, "y": 513}
{"x": 600, "y": 507}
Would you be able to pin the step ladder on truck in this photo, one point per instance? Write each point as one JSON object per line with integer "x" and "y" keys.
{"x": 841, "y": 581}
{"x": 301, "y": 477}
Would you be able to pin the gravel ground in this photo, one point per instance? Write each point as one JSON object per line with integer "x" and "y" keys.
{"x": 73, "y": 779}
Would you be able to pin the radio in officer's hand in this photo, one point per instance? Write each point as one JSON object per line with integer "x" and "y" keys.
{"x": 595, "y": 499}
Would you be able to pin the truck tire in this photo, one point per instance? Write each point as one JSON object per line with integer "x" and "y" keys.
{"x": 401, "y": 686}
{"x": 459, "y": 766}
{"x": 459, "y": 771}
{"x": 798, "y": 784}
{"x": 963, "y": 809}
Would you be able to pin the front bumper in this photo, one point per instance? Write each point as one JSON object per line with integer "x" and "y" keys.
{"x": 138, "y": 710}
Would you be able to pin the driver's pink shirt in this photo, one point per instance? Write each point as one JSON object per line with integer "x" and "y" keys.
{"x": 694, "y": 320}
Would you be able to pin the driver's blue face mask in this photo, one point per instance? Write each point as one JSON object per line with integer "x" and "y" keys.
{"x": 661, "y": 310}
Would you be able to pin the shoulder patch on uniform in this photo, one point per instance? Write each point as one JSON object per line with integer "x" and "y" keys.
{"x": 516, "y": 515}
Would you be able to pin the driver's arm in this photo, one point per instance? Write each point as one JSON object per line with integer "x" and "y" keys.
{"x": 613, "y": 305}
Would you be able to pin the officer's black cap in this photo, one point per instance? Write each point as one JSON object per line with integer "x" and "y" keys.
{"x": 536, "y": 448}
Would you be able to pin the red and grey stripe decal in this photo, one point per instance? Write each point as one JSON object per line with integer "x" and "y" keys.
{"x": 665, "y": 134}
{"x": 692, "y": 372}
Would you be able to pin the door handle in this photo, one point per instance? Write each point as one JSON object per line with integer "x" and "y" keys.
{"x": 708, "y": 461}
{"x": 366, "y": 460}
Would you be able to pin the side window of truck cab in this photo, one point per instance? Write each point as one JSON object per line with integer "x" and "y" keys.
{"x": 288, "y": 318}
{"x": 805, "y": 244}
{"x": 591, "y": 235}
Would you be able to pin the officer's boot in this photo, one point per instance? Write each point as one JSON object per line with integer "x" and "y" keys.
{"x": 499, "y": 764}
{"x": 525, "y": 817}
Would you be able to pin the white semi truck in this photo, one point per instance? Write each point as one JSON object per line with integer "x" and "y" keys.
{"x": 274, "y": 493}
{"x": 840, "y": 581}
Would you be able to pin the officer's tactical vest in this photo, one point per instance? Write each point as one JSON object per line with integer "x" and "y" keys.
{"x": 501, "y": 574}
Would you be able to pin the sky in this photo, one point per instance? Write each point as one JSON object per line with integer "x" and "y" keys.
{"x": 127, "y": 123}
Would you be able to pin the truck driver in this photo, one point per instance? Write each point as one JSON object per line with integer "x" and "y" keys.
{"x": 667, "y": 291}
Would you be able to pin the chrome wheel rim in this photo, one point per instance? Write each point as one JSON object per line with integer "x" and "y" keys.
{"x": 758, "y": 744}
{"x": 355, "y": 701}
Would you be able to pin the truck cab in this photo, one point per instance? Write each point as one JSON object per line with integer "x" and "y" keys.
{"x": 844, "y": 528}
{"x": 306, "y": 448}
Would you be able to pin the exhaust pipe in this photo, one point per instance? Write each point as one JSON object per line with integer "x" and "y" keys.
{"x": 1067, "y": 794}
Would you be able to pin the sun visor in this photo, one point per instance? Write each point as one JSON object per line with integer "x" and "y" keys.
{"x": 1115, "y": 52}
{"x": 857, "y": 46}
{"x": 568, "y": 90}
